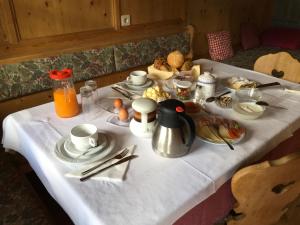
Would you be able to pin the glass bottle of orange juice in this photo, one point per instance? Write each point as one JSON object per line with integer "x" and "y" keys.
{"x": 64, "y": 93}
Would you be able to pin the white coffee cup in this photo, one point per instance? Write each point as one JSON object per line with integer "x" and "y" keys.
{"x": 138, "y": 77}
{"x": 84, "y": 136}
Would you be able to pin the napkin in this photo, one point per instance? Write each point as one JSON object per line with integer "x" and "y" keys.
{"x": 116, "y": 173}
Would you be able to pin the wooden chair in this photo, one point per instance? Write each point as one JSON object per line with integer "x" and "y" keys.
{"x": 281, "y": 65}
{"x": 265, "y": 191}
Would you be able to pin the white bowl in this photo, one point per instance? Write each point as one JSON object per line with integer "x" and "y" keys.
{"x": 248, "y": 110}
{"x": 244, "y": 104}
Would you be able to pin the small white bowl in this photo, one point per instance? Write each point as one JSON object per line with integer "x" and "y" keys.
{"x": 248, "y": 110}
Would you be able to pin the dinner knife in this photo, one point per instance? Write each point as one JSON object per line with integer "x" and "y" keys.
{"x": 268, "y": 85}
{"x": 125, "y": 159}
{"x": 292, "y": 91}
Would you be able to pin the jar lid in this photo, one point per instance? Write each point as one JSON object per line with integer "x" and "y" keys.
{"x": 60, "y": 74}
{"x": 183, "y": 83}
{"x": 144, "y": 105}
{"x": 207, "y": 78}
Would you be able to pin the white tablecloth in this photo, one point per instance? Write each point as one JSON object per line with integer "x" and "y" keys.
{"x": 156, "y": 190}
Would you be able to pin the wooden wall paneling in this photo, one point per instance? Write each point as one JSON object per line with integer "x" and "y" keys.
{"x": 8, "y": 22}
{"x": 2, "y": 35}
{"x": 143, "y": 12}
{"x": 47, "y": 18}
{"x": 116, "y": 16}
{"x": 215, "y": 15}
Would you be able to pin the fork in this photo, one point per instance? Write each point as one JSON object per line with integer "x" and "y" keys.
{"x": 216, "y": 129}
{"x": 118, "y": 156}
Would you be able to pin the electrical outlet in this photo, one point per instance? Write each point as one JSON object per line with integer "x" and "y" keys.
{"x": 125, "y": 20}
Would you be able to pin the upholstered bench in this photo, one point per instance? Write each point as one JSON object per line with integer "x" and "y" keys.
{"x": 27, "y": 83}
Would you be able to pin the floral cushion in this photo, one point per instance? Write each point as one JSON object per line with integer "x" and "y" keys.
{"x": 219, "y": 45}
{"x": 32, "y": 76}
{"x": 144, "y": 52}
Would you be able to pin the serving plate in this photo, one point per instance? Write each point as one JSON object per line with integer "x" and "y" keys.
{"x": 231, "y": 83}
{"x": 231, "y": 130}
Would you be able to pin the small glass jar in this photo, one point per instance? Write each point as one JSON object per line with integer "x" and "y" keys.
{"x": 64, "y": 94}
{"x": 183, "y": 89}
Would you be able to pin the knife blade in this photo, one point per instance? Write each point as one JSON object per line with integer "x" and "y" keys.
{"x": 292, "y": 91}
{"x": 125, "y": 159}
{"x": 268, "y": 85}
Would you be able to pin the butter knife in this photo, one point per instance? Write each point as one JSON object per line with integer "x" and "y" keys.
{"x": 105, "y": 168}
{"x": 268, "y": 85}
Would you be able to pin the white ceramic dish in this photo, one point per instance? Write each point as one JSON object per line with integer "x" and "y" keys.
{"x": 232, "y": 89}
{"x": 207, "y": 133}
{"x": 64, "y": 156}
{"x": 108, "y": 105}
{"x": 234, "y": 141}
{"x": 142, "y": 87}
{"x": 115, "y": 121}
{"x": 74, "y": 152}
{"x": 248, "y": 110}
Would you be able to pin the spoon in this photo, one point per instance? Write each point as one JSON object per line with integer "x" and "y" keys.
{"x": 213, "y": 98}
{"x": 267, "y": 104}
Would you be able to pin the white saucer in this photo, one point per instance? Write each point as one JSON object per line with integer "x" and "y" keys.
{"x": 115, "y": 121}
{"x": 148, "y": 83}
{"x": 64, "y": 156}
{"x": 108, "y": 105}
{"x": 74, "y": 152}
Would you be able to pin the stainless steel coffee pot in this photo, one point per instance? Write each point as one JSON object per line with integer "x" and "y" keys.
{"x": 175, "y": 131}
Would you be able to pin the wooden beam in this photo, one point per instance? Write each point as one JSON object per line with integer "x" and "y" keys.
{"x": 9, "y": 21}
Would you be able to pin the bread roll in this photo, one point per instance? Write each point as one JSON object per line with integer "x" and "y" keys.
{"x": 175, "y": 59}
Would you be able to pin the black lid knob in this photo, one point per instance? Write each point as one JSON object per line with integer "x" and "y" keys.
{"x": 168, "y": 113}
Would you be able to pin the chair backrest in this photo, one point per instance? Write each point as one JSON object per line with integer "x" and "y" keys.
{"x": 281, "y": 65}
{"x": 264, "y": 191}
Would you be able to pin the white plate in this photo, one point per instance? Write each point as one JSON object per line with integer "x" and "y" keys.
{"x": 108, "y": 105}
{"x": 148, "y": 83}
{"x": 227, "y": 85}
{"x": 235, "y": 141}
{"x": 64, "y": 156}
{"x": 207, "y": 121}
{"x": 74, "y": 152}
{"x": 114, "y": 119}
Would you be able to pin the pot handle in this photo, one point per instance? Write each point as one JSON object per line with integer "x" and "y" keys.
{"x": 189, "y": 123}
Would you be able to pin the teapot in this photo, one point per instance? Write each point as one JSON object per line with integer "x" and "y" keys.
{"x": 175, "y": 131}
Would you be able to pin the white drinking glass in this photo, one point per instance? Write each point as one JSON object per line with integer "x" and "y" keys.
{"x": 88, "y": 105}
{"x": 93, "y": 85}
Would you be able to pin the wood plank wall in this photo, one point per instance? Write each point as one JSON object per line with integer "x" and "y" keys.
{"x": 33, "y": 29}
{"x": 215, "y": 15}
{"x": 30, "y": 29}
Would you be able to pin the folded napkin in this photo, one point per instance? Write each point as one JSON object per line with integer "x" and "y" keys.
{"x": 116, "y": 173}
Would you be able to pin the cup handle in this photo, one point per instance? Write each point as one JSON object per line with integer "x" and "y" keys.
{"x": 93, "y": 142}
{"x": 128, "y": 79}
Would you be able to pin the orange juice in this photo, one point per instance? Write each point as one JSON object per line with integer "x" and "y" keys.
{"x": 65, "y": 102}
